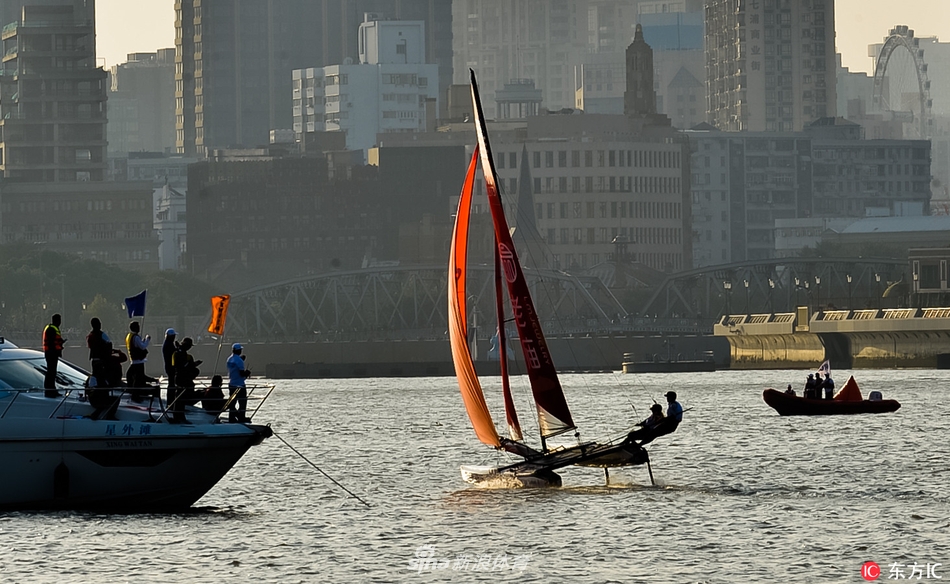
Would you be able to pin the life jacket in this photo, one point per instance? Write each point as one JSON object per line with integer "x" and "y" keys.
{"x": 56, "y": 340}
{"x": 184, "y": 364}
{"x": 135, "y": 353}
{"x": 98, "y": 347}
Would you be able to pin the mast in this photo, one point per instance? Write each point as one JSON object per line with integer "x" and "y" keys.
{"x": 511, "y": 415}
{"x": 554, "y": 416}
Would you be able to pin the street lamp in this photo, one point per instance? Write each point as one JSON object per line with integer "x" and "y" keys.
{"x": 62, "y": 308}
{"x": 817, "y": 293}
{"x": 727, "y": 286}
{"x": 849, "y": 291}
{"x": 748, "y": 309}
{"x": 916, "y": 289}
{"x": 798, "y": 289}
{"x": 771, "y": 289}
{"x": 877, "y": 289}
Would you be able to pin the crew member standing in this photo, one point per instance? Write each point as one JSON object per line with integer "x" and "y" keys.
{"x": 236, "y": 376}
{"x": 168, "y": 349}
{"x": 100, "y": 352}
{"x": 138, "y": 353}
{"x": 183, "y": 392}
{"x": 53, "y": 350}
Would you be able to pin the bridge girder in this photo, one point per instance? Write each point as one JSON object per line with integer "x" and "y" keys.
{"x": 779, "y": 285}
{"x": 406, "y": 302}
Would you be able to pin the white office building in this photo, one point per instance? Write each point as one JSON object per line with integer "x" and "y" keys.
{"x": 391, "y": 90}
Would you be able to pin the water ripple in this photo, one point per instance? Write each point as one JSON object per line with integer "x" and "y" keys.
{"x": 742, "y": 494}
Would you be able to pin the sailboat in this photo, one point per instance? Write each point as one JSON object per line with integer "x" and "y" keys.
{"x": 554, "y": 416}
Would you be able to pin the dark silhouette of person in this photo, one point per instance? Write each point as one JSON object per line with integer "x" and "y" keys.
{"x": 100, "y": 354}
{"x": 213, "y": 399}
{"x": 52, "y": 350}
{"x": 186, "y": 370}
{"x": 169, "y": 346}
{"x": 649, "y": 425}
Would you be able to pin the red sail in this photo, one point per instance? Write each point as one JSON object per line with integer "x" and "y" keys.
{"x": 554, "y": 417}
{"x": 511, "y": 415}
{"x": 458, "y": 328}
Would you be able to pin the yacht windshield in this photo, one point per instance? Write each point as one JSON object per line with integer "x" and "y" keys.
{"x": 30, "y": 373}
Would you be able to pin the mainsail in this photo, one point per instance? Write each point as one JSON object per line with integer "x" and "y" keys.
{"x": 511, "y": 415}
{"x": 554, "y": 417}
{"x": 458, "y": 328}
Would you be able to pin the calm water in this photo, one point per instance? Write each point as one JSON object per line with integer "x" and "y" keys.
{"x": 743, "y": 495}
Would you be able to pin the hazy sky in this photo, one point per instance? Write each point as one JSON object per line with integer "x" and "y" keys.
{"x": 130, "y": 26}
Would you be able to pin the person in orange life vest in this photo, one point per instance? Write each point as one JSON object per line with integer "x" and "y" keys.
{"x": 53, "y": 350}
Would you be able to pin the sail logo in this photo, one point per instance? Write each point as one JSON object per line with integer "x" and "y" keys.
{"x": 508, "y": 262}
{"x": 426, "y": 560}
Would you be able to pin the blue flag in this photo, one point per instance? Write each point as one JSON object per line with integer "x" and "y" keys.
{"x": 136, "y": 304}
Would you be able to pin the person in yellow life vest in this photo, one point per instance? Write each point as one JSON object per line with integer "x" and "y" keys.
{"x": 53, "y": 350}
{"x": 138, "y": 351}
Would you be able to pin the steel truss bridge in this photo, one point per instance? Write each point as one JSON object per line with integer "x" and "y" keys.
{"x": 409, "y": 303}
{"x": 780, "y": 285}
{"x": 403, "y": 303}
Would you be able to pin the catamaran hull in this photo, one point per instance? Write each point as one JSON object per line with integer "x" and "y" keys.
{"x": 87, "y": 470}
{"x": 507, "y": 477}
{"x": 627, "y": 454}
{"x": 538, "y": 471}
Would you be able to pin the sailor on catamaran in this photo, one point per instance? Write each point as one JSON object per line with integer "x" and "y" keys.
{"x": 654, "y": 427}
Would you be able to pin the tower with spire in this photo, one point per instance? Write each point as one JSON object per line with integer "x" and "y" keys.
{"x": 640, "y": 97}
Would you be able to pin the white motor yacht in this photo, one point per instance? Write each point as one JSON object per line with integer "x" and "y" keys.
{"x": 55, "y": 455}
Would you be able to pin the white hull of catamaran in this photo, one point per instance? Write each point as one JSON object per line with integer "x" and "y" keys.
{"x": 501, "y": 478}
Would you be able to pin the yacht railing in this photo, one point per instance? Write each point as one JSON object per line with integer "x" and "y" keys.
{"x": 255, "y": 393}
{"x": 251, "y": 389}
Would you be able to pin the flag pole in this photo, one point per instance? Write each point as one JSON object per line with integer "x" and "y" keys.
{"x": 214, "y": 370}
{"x": 219, "y": 315}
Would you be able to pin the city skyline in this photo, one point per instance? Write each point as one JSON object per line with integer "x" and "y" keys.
{"x": 148, "y": 25}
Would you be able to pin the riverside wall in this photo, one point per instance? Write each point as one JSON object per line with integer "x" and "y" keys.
{"x": 429, "y": 357}
{"x": 859, "y": 339}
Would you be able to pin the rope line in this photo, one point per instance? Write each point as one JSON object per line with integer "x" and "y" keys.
{"x": 320, "y": 470}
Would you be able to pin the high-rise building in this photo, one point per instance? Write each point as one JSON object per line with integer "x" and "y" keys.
{"x": 770, "y": 64}
{"x": 539, "y": 40}
{"x": 142, "y": 103}
{"x": 390, "y": 90}
{"x": 52, "y": 94}
{"x": 53, "y": 127}
{"x": 745, "y": 185}
{"x": 234, "y": 59}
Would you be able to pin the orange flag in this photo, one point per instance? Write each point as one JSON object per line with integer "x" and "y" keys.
{"x": 219, "y": 313}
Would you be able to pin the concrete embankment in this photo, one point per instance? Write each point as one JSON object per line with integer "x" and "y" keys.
{"x": 430, "y": 357}
{"x": 858, "y": 339}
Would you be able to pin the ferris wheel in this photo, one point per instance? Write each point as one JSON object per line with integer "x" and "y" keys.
{"x": 922, "y": 106}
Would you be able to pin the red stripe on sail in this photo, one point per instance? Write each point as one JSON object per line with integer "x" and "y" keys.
{"x": 554, "y": 417}
{"x": 511, "y": 415}
{"x": 469, "y": 386}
